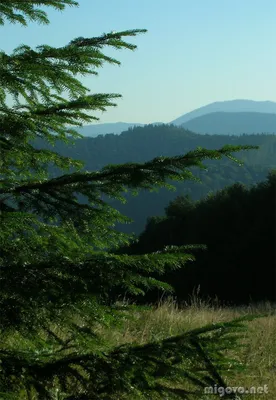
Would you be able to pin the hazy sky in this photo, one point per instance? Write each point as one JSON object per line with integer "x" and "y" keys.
{"x": 195, "y": 52}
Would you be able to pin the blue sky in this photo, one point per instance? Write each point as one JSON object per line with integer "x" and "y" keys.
{"x": 195, "y": 52}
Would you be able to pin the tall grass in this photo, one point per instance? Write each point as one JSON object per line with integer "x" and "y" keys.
{"x": 147, "y": 324}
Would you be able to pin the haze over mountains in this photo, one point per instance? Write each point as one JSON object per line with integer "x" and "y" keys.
{"x": 237, "y": 123}
{"x": 103, "y": 129}
{"x": 225, "y": 117}
{"x": 232, "y": 106}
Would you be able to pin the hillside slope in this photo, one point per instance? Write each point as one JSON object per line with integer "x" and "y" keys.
{"x": 142, "y": 144}
{"x": 230, "y": 123}
{"x": 228, "y": 106}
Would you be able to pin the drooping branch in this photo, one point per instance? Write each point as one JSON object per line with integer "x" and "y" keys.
{"x": 48, "y": 70}
{"x": 138, "y": 175}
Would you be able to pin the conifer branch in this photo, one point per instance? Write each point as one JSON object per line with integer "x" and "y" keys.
{"x": 20, "y": 11}
{"x": 154, "y": 171}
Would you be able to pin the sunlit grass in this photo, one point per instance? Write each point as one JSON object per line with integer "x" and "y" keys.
{"x": 168, "y": 319}
{"x": 146, "y": 324}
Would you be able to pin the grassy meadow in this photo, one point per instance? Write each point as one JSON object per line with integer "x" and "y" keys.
{"x": 168, "y": 319}
{"x": 146, "y": 324}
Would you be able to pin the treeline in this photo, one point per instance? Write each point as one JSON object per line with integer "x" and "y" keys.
{"x": 238, "y": 226}
{"x": 141, "y": 144}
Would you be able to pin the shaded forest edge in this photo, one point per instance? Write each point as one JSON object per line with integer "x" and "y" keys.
{"x": 237, "y": 224}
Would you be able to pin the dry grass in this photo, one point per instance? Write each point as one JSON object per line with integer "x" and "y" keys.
{"x": 167, "y": 320}
{"x": 143, "y": 325}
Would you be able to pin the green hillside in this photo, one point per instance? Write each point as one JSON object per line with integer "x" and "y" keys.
{"x": 141, "y": 144}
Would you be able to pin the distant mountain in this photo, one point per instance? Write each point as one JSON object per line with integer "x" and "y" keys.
{"x": 235, "y": 123}
{"x": 103, "y": 129}
{"x": 229, "y": 106}
{"x": 232, "y": 106}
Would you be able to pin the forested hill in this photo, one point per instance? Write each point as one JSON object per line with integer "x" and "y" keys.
{"x": 229, "y": 106}
{"x": 233, "y": 122}
{"x": 140, "y": 144}
{"x": 144, "y": 143}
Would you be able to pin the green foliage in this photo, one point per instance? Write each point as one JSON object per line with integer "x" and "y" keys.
{"x": 20, "y": 11}
{"x": 57, "y": 260}
{"x": 180, "y": 207}
{"x": 148, "y": 371}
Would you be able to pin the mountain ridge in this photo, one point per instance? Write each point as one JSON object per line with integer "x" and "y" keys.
{"x": 237, "y": 106}
{"x": 236, "y": 123}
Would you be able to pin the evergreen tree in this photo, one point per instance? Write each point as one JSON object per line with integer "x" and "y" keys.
{"x": 57, "y": 260}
